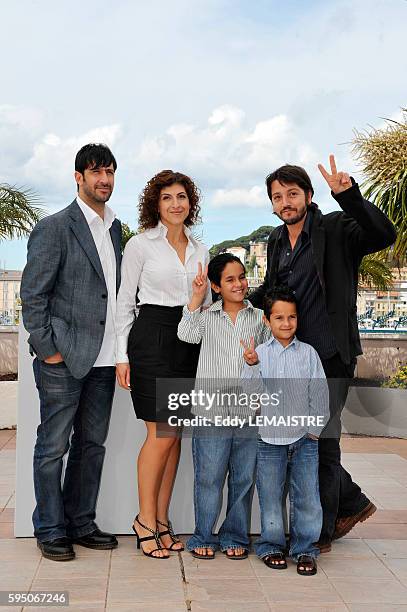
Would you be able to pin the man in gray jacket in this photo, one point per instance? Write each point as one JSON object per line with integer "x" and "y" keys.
{"x": 68, "y": 292}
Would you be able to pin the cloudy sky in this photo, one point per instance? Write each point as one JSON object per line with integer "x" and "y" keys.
{"x": 224, "y": 90}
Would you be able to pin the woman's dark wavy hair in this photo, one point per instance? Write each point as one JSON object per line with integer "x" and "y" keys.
{"x": 148, "y": 201}
{"x": 216, "y": 267}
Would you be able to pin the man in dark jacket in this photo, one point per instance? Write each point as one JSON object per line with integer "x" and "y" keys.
{"x": 318, "y": 256}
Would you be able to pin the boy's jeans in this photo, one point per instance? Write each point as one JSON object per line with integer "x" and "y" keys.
{"x": 216, "y": 451}
{"x": 300, "y": 461}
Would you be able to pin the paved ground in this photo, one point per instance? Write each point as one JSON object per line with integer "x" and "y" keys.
{"x": 365, "y": 572}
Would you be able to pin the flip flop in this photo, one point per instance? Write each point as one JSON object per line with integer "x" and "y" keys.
{"x": 306, "y": 561}
{"x": 198, "y": 556}
{"x": 275, "y": 557}
{"x": 234, "y": 557}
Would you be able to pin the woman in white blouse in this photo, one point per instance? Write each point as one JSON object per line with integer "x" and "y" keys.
{"x": 159, "y": 265}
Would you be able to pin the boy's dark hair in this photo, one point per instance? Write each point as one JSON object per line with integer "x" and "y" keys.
{"x": 94, "y": 156}
{"x": 290, "y": 174}
{"x": 216, "y": 267}
{"x": 278, "y": 294}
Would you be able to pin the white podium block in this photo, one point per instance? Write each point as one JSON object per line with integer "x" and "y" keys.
{"x": 118, "y": 498}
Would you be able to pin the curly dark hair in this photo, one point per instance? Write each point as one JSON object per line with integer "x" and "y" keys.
{"x": 149, "y": 197}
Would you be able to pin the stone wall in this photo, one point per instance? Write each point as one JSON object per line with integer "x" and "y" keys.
{"x": 8, "y": 350}
{"x": 381, "y": 355}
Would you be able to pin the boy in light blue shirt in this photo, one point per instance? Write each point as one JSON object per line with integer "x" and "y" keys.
{"x": 288, "y": 443}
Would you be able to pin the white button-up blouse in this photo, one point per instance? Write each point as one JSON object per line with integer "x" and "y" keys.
{"x": 151, "y": 265}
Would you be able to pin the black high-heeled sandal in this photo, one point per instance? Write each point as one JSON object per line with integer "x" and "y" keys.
{"x": 155, "y": 537}
{"x": 175, "y": 539}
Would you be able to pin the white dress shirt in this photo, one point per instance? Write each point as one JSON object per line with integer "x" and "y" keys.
{"x": 100, "y": 232}
{"x": 151, "y": 265}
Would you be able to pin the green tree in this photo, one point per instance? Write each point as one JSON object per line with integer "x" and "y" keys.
{"x": 127, "y": 233}
{"x": 382, "y": 154}
{"x": 250, "y": 265}
{"x": 375, "y": 272}
{"x": 19, "y": 212}
{"x": 259, "y": 235}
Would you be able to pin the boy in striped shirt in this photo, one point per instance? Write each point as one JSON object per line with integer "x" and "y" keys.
{"x": 220, "y": 450}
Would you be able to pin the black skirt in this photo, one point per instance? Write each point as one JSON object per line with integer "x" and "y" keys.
{"x": 155, "y": 351}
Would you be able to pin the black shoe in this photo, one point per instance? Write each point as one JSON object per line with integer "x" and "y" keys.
{"x": 59, "y": 549}
{"x": 98, "y": 540}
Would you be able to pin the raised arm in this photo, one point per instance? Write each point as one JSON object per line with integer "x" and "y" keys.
{"x": 368, "y": 229}
{"x": 37, "y": 286}
{"x": 192, "y": 325}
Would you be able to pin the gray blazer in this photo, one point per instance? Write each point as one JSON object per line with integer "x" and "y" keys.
{"x": 63, "y": 289}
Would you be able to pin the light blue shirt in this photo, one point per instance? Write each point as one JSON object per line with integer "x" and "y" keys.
{"x": 294, "y": 377}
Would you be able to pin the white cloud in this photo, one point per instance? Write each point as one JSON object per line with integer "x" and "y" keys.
{"x": 52, "y": 159}
{"x": 41, "y": 160}
{"x": 226, "y": 152}
{"x": 255, "y": 197}
{"x": 19, "y": 128}
{"x": 19, "y": 117}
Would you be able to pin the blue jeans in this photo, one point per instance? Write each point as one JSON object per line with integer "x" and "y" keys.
{"x": 300, "y": 462}
{"x": 216, "y": 452}
{"x": 66, "y": 404}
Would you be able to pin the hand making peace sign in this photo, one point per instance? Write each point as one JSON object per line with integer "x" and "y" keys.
{"x": 250, "y": 356}
{"x": 337, "y": 181}
{"x": 200, "y": 283}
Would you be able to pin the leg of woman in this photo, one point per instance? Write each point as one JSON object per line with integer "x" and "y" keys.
{"x": 165, "y": 492}
{"x": 151, "y": 464}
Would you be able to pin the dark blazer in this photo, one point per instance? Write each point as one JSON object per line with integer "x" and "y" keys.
{"x": 63, "y": 289}
{"x": 339, "y": 240}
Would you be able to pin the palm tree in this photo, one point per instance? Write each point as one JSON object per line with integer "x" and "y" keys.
{"x": 374, "y": 272}
{"x": 383, "y": 157}
{"x": 19, "y": 211}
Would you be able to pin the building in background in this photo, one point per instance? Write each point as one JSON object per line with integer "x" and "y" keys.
{"x": 10, "y": 305}
{"x": 239, "y": 252}
{"x": 384, "y": 308}
{"x": 258, "y": 254}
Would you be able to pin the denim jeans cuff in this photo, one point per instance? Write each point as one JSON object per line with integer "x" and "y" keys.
{"x": 225, "y": 547}
{"x": 312, "y": 554}
{"x": 271, "y": 551}
{"x": 195, "y": 542}
{"x": 82, "y": 531}
{"x": 48, "y": 537}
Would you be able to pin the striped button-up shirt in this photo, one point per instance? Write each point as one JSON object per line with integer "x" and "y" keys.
{"x": 221, "y": 357}
{"x": 295, "y": 377}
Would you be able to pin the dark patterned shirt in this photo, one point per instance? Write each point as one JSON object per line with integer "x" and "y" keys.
{"x": 296, "y": 269}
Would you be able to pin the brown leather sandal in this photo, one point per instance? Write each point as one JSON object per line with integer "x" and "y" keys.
{"x": 306, "y": 562}
{"x": 234, "y": 557}
{"x": 273, "y": 561}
